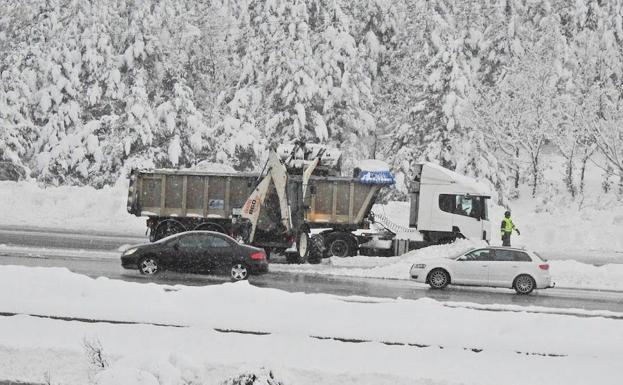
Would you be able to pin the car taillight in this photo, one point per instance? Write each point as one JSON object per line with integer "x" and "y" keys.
{"x": 258, "y": 256}
{"x": 544, "y": 266}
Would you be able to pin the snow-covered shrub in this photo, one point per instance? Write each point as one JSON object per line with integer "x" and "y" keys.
{"x": 260, "y": 377}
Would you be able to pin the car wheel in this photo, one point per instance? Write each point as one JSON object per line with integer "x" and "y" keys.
{"x": 438, "y": 278}
{"x": 524, "y": 284}
{"x": 239, "y": 272}
{"x": 149, "y": 266}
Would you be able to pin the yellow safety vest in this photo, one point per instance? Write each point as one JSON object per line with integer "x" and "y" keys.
{"x": 508, "y": 225}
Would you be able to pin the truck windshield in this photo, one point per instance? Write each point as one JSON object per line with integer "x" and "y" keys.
{"x": 465, "y": 205}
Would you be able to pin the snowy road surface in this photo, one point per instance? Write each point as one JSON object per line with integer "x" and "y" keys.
{"x": 96, "y": 255}
{"x": 45, "y": 238}
{"x": 311, "y": 283}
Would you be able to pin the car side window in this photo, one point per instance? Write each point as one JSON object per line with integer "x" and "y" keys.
{"x": 190, "y": 242}
{"x": 479, "y": 255}
{"x": 520, "y": 256}
{"x": 504, "y": 255}
{"x": 218, "y": 242}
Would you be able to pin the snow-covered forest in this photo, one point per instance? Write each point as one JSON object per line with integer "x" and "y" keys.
{"x": 91, "y": 88}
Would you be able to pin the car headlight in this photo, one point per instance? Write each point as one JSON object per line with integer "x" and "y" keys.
{"x": 129, "y": 252}
{"x": 419, "y": 266}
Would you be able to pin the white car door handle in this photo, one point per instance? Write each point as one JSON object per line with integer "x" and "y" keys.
{"x": 485, "y": 265}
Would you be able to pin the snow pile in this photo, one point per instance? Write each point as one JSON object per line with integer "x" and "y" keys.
{"x": 124, "y": 375}
{"x": 580, "y": 275}
{"x": 68, "y": 207}
{"x": 400, "y": 338}
{"x": 380, "y": 267}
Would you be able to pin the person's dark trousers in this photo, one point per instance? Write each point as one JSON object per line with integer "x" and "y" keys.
{"x": 506, "y": 239}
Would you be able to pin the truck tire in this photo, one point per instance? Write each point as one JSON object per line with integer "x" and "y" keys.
{"x": 209, "y": 226}
{"x": 302, "y": 249}
{"x": 316, "y": 249}
{"x": 166, "y": 228}
{"x": 341, "y": 245}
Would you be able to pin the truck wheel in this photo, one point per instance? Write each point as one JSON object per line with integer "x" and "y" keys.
{"x": 166, "y": 228}
{"x": 208, "y": 226}
{"x": 302, "y": 246}
{"x": 316, "y": 249}
{"x": 292, "y": 257}
{"x": 302, "y": 249}
{"x": 339, "y": 245}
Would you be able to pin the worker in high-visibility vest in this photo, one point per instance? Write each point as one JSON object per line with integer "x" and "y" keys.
{"x": 507, "y": 228}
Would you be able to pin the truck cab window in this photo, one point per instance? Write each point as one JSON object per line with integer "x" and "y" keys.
{"x": 465, "y": 205}
{"x": 447, "y": 203}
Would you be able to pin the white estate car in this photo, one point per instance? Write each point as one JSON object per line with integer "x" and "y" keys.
{"x": 508, "y": 267}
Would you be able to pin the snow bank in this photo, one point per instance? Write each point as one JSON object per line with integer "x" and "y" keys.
{"x": 296, "y": 348}
{"x": 566, "y": 273}
{"x": 68, "y": 207}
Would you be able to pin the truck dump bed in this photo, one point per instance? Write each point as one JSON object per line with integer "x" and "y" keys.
{"x": 172, "y": 193}
{"x": 195, "y": 194}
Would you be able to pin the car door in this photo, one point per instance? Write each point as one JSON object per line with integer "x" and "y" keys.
{"x": 472, "y": 268}
{"x": 506, "y": 265}
{"x": 221, "y": 252}
{"x": 187, "y": 252}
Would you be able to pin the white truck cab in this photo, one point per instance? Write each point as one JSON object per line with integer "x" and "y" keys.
{"x": 446, "y": 205}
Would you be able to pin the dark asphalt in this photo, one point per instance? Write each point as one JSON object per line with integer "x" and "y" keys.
{"x": 343, "y": 286}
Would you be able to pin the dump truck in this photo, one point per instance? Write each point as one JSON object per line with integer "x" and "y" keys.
{"x": 276, "y": 209}
{"x": 298, "y": 205}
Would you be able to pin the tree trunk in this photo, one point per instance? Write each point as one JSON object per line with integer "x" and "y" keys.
{"x": 535, "y": 176}
{"x": 517, "y": 168}
{"x": 582, "y": 174}
{"x": 569, "y": 176}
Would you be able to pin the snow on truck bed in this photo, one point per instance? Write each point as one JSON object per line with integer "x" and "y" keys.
{"x": 301, "y": 338}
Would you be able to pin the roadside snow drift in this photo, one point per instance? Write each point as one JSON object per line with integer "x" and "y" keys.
{"x": 305, "y": 338}
{"x": 68, "y": 207}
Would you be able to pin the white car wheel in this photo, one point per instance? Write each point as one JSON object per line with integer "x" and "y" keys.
{"x": 438, "y": 278}
{"x": 239, "y": 272}
{"x": 148, "y": 266}
{"x": 524, "y": 284}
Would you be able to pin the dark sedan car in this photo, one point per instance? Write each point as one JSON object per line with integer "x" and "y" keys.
{"x": 197, "y": 251}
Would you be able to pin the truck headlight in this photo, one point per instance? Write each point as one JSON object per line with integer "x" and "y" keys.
{"x": 129, "y": 252}
{"x": 419, "y": 266}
